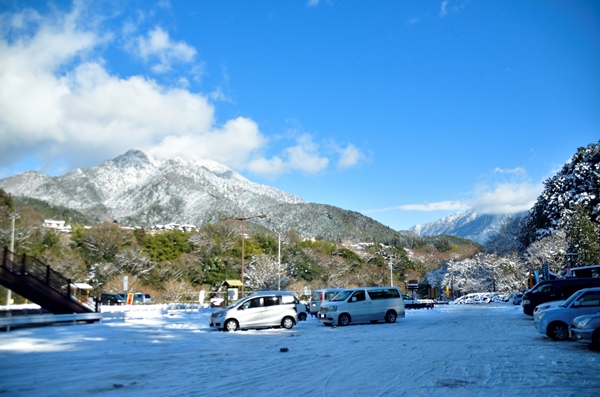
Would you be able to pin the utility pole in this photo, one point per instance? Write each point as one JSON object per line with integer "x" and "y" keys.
{"x": 12, "y": 217}
{"x": 243, "y": 220}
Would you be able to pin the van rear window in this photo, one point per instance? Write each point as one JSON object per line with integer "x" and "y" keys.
{"x": 384, "y": 293}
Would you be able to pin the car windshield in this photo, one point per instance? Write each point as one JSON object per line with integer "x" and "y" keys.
{"x": 571, "y": 299}
{"x": 542, "y": 288}
{"x": 342, "y": 296}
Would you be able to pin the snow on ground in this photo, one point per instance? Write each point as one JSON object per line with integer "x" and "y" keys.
{"x": 452, "y": 350}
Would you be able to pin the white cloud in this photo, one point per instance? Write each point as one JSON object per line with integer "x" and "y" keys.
{"x": 231, "y": 145}
{"x": 60, "y": 104}
{"x": 507, "y": 198}
{"x": 444, "y": 8}
{"x": 518, "y": 171}
{"x": 509, "y": 194}
{"x": 158, "y": 45}
{"x": 426, "y": 207}
{"x": 349, "y": 157}
{"x": 303, "y": 157}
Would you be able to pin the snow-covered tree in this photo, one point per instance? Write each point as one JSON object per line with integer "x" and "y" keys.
{"x": 264, "y": 273}
{"x": 583, "y": 238}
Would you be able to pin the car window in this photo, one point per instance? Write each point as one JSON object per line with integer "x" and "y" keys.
{"x": 271, "y": 301}
{"x": 360, "y": 296}
{"x": 590, "y": 299}
{"x": 378, "y": 294}
{"x": 342, "y": 296}
{"x": 251, "y": 303}
{"x": 288, "y": 299}
{"x": 330, "y": 295}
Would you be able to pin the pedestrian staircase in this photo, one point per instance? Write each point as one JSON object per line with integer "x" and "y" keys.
{"x": 38, "y": 283}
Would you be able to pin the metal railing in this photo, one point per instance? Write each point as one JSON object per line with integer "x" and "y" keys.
{"x": 30, "y": 266}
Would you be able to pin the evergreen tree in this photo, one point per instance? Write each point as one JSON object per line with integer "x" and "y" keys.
{"x": 583, "y": 238}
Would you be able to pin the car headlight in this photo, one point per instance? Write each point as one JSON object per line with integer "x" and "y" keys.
{"x": 541, "y": 315}
{"x": 220, "y": 314}
{"x": 583, "y": 323}
{"x": 333, "y": 308}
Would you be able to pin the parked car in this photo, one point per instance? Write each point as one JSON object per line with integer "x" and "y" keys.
{"x": 111, "y": 299}
{"x": 260, "y": 310}
{"x": 140, "y": 297}
{"x": 555, "y": 321}
{"x": 320, "y": 296}
{"x": 541, "y": 307}
{"x": 410, "y": 303}
{"x": 301, "y": 308}
{"x": 518, "y": 299}
{"x": 557, "y": 289}
{"x": 363, "y": 305}
{"x": 586, "y": 329}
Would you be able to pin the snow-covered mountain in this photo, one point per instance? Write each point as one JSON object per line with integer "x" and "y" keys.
{"x": 137, "y": 189}
{"x": 468, "y": 224}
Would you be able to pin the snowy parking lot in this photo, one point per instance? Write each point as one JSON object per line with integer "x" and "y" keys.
{"x": 452, "y": 350}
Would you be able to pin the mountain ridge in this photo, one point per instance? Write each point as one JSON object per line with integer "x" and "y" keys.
{"x": 140, "y": 190}
{"x": 467, "y": 224}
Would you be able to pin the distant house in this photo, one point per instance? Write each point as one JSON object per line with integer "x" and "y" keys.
{"x": 175, "y": 226}
{"x": 53, "y": 224}
{"x": 59, "y": 226}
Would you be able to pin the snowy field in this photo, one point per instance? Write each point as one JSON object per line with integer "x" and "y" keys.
{"x": 455, "y": 350}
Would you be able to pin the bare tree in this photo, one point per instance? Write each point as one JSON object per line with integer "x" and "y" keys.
{"x": 176, "y": 290}
{"x": 263, "y": 273}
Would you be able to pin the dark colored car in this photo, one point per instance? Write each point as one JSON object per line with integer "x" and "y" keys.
{"x": 586, "y": 329}
{"x": 553, "y": 290}
{"x": 111, "y": 299}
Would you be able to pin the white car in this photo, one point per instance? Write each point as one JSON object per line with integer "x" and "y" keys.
{"x": 555, "y": 321}
{"x": 260, "y": 310}
{"x": 543, "y": 306}
{"x": 363, "y": 305}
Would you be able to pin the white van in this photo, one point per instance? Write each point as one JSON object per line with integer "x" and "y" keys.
{"x": 320, "y": 296}
{"x": 259, "y": 310}
{"x": 363, "y": 305}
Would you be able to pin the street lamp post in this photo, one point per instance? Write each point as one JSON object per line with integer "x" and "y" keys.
{"x": 243, "y": 220}
{"x": 12, "y": 218}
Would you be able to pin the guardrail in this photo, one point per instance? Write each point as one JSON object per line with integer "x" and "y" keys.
{"x": 14, "y": 321}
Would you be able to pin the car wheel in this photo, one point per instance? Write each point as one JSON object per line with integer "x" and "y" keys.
{"x": 390, "y": 317}
{"x": 287, "y": 322}
{"x": 343, "y": 319}
{"x": 230, "y": 325}
{"x": 302, "y": 317}
{"x": 596, "y": 339}
{"x": 558, "y": 331}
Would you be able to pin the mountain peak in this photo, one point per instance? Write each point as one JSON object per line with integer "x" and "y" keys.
{"x": 134, "y": 157}
{"x": 467, "y": 224}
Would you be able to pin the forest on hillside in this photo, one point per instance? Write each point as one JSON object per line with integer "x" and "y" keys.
{"x": 175, "y": 265}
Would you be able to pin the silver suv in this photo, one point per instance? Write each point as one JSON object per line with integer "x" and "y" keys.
{"x": 260, "y": 310}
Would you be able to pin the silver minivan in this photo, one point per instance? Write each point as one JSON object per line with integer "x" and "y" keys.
{"x": 363, "y": 305}
{"x": 260, "y": 310}
{"x": 320, "y": 296}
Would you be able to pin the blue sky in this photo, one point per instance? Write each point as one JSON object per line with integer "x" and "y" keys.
{"x": 406, "y": 111}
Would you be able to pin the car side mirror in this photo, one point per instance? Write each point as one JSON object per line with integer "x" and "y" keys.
{"x": 576, "y": 304}
{"x": 242, "y": 307}
{"x": 353, "y": 299}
